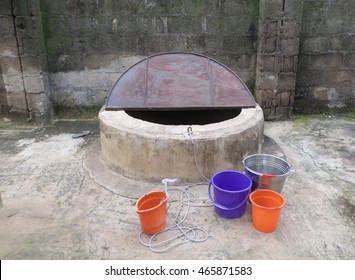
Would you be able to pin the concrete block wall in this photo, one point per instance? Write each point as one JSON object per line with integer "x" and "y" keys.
{"x": 294, "y": 55}
{"x": 74, "y": 51}
{"x": 277, "y": 60}
{"x": 23, "y": 61}
{"x": 326, "y": 72}
{"x": 11, "y": 82}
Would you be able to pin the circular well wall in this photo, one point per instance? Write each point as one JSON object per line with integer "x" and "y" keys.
{"x": 153, "y": 151}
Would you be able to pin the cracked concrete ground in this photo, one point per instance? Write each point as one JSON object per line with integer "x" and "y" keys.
{"x": 60, "y": 202}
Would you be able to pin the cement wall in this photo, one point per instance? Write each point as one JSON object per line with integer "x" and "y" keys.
{"x": 277, "y": 60}
{"x": 70, "y": 53}
{"x": 24, "y": 86}
{"x": 144, "y": 148}
{"x": 326, "y": 72}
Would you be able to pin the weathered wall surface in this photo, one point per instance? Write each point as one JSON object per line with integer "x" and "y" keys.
{"x": 278, "y": 50}
{"x": 23, "y": 60}
{"x": 326, "y": 72}
{"x": 88, "y": 44}
{"x": 295, "y": 55}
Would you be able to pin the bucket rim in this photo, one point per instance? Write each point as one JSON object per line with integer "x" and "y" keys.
{"x": 233, "y": 171}
{"x": 162, "y": 201}
{"x": 267, "y": 155}
{"x": 268, "y": 191}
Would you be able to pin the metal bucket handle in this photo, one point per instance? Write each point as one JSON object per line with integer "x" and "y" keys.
{"x": 221, "y": 206}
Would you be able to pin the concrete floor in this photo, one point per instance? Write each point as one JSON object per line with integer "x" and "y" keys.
{"x": 60, "y": 202}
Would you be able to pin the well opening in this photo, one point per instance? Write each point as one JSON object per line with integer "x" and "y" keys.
{"x": 185, "y": 117}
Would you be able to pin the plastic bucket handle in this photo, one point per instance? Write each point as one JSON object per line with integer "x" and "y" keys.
{"x": 269, "y": 208}
{"x": 223, "y": 207}
{"x": 155, "y": 207}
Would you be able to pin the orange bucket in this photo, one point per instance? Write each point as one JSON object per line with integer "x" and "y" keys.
{"x": 151, "y": 209}
{"x": 266, "y": 206}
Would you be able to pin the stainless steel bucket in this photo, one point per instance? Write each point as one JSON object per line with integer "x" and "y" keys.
{"x": 266, "y": 171}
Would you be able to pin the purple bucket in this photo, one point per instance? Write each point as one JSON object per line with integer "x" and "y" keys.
{"x": 231, "y": 191}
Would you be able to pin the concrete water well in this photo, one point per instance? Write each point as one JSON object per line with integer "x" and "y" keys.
{"x": 179, "y": 115}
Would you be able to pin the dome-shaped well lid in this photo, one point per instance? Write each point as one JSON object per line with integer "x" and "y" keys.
{"x": 179, "y": 81}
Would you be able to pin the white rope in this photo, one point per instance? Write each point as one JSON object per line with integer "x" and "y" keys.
{"x": 193, "y": 198}
{"x": 189, "y": 133}
{"x": 185, "y": 234}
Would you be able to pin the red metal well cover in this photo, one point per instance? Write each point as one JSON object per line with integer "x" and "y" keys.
{"x": 171, "y": 81}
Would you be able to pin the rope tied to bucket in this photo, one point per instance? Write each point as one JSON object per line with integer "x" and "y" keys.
{"x": 184, "y": 234}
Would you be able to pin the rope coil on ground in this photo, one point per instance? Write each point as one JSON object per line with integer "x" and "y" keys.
{"x": 185, "y": 234}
